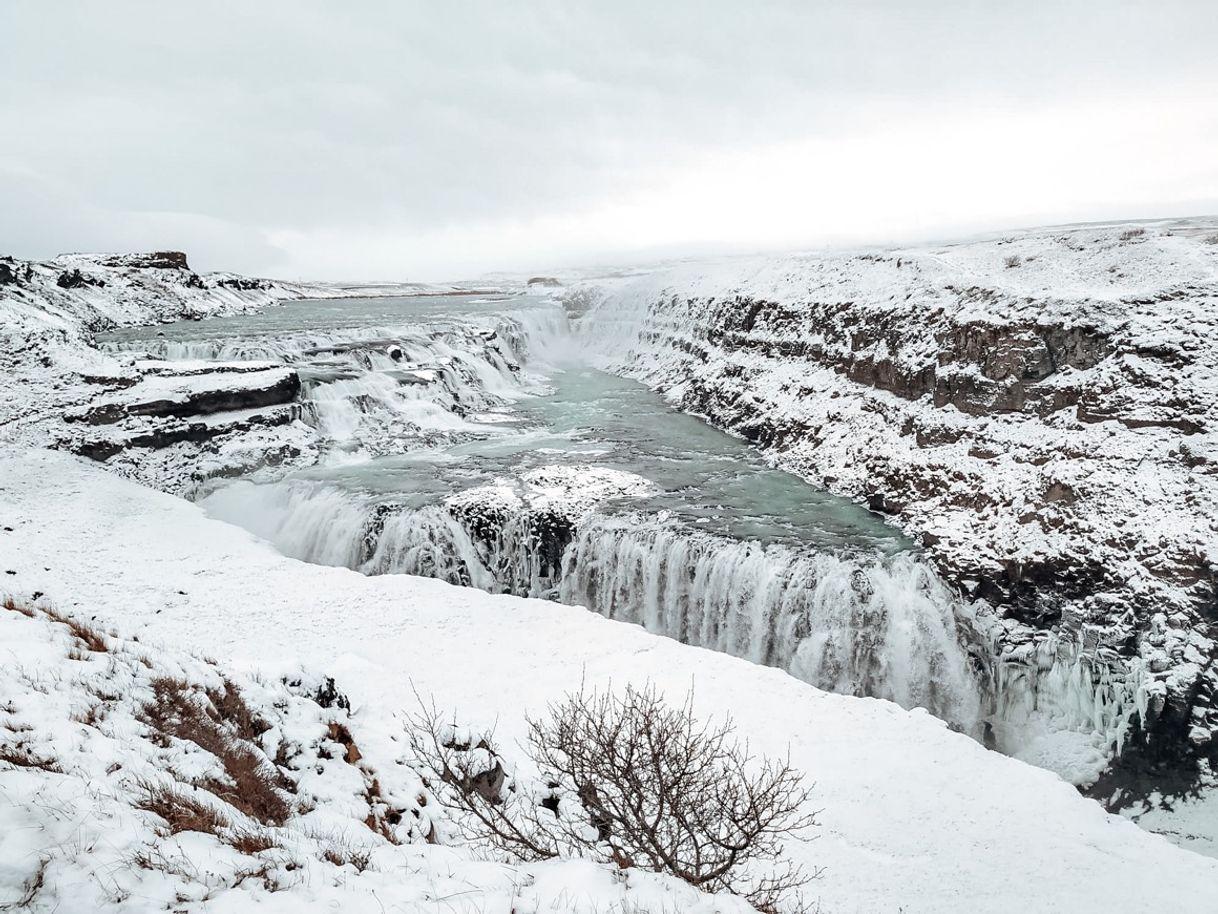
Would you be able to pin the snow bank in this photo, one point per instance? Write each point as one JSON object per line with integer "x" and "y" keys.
{"x": 915, "y": 817}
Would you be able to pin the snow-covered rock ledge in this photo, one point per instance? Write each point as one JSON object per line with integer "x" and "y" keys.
{"x": 1039, "y": 410}
{"x": 169, "y": 422}
{"x": 915, "y": 817}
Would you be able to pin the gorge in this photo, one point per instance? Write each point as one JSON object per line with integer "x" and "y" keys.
{"x": 924, "y": 476}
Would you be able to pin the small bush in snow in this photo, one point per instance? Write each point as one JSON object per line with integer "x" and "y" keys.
{"x": 1130, "y": 234}
{"x": 1011, "y": 261}
{"x": 628, "y": 779}
{"x": 1212, "y": 239}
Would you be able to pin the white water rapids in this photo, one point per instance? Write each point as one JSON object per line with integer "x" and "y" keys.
{"x": 858, "y": 624}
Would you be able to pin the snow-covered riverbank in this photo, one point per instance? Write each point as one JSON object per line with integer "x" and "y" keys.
{"x": 915, "y": 817}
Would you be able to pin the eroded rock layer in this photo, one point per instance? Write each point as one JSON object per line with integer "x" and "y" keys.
{"x": 1038, "y": 410}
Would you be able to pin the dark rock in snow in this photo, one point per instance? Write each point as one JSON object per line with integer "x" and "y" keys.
{"x": 74, "y": 279}
{"x": 157, "y": 260}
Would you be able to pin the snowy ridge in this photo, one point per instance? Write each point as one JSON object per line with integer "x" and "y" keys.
{"x": 1004, "y": 832}
{"x": 1036, "y": 409}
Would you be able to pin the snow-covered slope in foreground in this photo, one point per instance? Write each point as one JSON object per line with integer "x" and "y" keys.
{"x": 915, "y": 817}
{"x": 116, "y": 796}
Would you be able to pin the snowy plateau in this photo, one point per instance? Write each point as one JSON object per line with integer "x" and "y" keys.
{"x": 1012, "y": 706}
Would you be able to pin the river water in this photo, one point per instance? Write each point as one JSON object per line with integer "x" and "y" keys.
{"x": 441, "y": 417}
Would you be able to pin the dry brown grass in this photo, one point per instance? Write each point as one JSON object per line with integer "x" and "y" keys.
{"x": 180, "y": 810}
{"x": 249, "y": 841}
{"x": 220, "y": 722}
{"x": 233, "y": 710}
{"x": 91, "y": 716}
{"x": 13, "y": 606}
{"x": 341, "y": 854}
{"x": 341, "y": 735}
{"x": 87, "y": 635}
{"x": 381, "y": 818}
{"x": 21, "y": 756}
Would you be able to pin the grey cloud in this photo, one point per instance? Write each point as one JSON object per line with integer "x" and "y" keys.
{"x": 418, "y": 116}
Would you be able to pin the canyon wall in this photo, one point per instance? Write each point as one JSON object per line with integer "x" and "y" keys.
{"x": 1037, "y": 410}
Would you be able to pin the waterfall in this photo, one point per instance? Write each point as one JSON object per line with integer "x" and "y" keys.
{"x": 380, "y": 390}
{"x": 878, "y": 626}
{"x": 884, "y": 627}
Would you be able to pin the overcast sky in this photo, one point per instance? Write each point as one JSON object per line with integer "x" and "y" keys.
{"x": 387, "y": 139}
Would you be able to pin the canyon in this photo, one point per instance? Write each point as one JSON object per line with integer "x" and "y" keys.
{"x": 975, "y": 479}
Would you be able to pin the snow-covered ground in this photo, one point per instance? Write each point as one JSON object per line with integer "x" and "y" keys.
{"x": 914, "y": 817}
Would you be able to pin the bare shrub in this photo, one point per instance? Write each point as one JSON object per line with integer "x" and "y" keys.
{"x": 1130, "y": 234}
{"x": 189, "y": 713}
{"x": 1011, "y": 261}
{"x": 1212, "y": 239}
{"x": 181, "y": 810}
{"x": 629, "y": 779}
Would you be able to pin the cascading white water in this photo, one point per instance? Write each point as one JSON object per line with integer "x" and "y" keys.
{"x": 884, "y": 627}
{"x": 377, "y": 390}
{"x": 876, "y": 626}
{"x": 311, "y": 522}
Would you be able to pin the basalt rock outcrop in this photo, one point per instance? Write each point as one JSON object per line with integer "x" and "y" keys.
{"x": 1039, "y": 411}
{"x": 224, "y": 411}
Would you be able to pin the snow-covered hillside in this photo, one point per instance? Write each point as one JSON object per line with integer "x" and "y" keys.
{"x": 126, "y": 785}
{"x": 1037, "y": 409}
{"x": 915, "y": 818}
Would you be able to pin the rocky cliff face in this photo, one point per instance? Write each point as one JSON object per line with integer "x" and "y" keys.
{"x": 1039, "y": 411}
{"x": 161, "y": 422}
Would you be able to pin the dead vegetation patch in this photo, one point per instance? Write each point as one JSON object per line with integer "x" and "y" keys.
{"x": 381, "y": 817}
{"x": 21, "y": 755}
{"x": 220, "y": 722}
{"x": 182, "y": 811}
{"x": 88, "y": 636}
{"x": 91, "y": 715}
{"x": 249, "y": 841}
{"x": 13, "y": 606}
{"x": 340, "y": 734}
{"x": 346, "y": 855}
